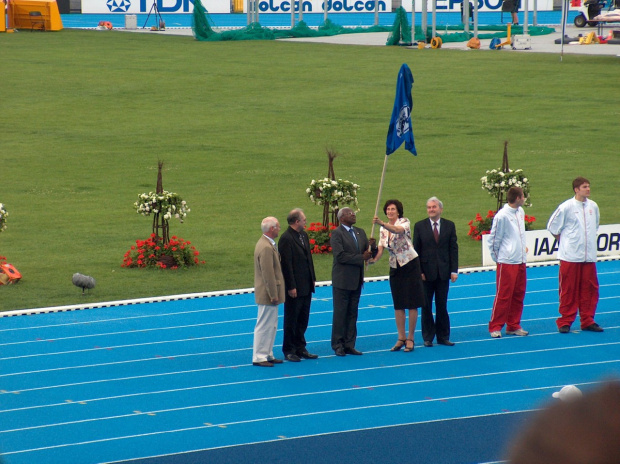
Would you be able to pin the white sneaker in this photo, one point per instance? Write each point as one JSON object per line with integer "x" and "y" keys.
{"x": 496, "y": 334}
{"x": 519, "y": 332}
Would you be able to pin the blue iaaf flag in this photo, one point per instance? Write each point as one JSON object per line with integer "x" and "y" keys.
{"x": 400, "y": 125}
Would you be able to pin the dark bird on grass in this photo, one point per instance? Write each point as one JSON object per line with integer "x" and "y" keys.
{"x": 83, "y": 281}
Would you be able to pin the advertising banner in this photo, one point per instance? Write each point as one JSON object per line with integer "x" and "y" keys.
{"x": 144, "y": 6}
{"x": 284, "y": 6}
{"x": 483, "y": 5}
{"x": 542, "y": 246}
{"x": 317, "y": 6}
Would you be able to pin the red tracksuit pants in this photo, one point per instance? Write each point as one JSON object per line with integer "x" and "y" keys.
{"x": 510, "y": 281}
{"x": 578, "y": 291}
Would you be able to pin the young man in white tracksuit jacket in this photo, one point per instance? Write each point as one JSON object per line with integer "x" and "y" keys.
{"x": 507, "y": 247}
{"x": 575, "y": 224}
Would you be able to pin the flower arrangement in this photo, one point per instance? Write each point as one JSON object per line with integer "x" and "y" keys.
{"x": 529, "y": 220}
{"x": 153, "y": 253}
{"x": 333, "y": 192}
{"x": 319, "y": 236}
{"x": 497, "y": 183}
{"x": 482, "y": 226}
{"x": 167, "y": 203}
{"x": 3, "y": 215}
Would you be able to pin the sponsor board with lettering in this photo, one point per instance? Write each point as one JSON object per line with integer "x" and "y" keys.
{"x": 542, "y": 246}
{"x": 145, "y": 6}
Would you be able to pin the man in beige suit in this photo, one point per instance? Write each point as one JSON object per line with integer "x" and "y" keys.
{"x": 268, "y": 293}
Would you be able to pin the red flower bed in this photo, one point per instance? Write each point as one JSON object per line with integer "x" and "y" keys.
{"x": 319, "y": 236}
{"x": 153, "y": 253}
{"x": 482, "y": 226}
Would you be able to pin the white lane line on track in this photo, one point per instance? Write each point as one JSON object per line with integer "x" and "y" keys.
{"x": 308, "y": 375}
{"x": 320, "y": 392}
{"x": 291, "y": 416}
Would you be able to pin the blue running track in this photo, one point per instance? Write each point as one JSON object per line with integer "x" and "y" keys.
{"x": 172, "y": 382}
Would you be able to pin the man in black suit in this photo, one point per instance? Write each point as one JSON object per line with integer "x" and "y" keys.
{"x": 350, "y": 250}
{"x": 435, "y": 241}
{"x": 299, "y": 280}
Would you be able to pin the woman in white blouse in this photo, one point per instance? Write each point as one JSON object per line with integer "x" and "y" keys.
{"x": 405, "y": 275}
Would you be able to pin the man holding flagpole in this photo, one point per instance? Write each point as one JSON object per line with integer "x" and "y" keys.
{"x": 350, "y": 251}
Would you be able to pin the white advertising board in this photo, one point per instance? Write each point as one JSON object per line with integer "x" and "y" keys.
{"x": 483, "y": 5}
{"x": 542, "y": 246}
{"x": 368, "y": 6}
{"x": 144, "y": 6}
{"x": 317, "y": 6}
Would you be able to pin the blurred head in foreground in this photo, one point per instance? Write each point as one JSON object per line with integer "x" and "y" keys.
{"x": 584, "y": 429}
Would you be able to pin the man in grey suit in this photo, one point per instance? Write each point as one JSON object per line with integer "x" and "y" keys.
{"x": 350, "y": 250}
{"x": 299, "y": 279}
{"x": 435, "y": 241}
{"x": 268, "y": 293}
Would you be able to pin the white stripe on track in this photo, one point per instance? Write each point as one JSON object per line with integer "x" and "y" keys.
{"x": 290, "y": 416}
{"x": 318, "y": 374}
{"x": 316, "y": 393}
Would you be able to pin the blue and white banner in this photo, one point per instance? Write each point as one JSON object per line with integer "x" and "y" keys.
{"x": 542, "y": 246}
{"x": 400, "y": 129}
{"x": 145, "y": 6}
{"x": 317, "y": 6}
{"x": 483, "y": 5}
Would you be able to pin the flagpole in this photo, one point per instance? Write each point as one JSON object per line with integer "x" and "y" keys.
{"x": 400, "y": 129}
{"x": 372, "y": 231}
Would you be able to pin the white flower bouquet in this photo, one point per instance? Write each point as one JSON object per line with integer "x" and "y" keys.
{"x": 496, "y": 181}
{"x": 168, "y": 204}
{"x": 333, "y": 192}
{"x": 3, "y": 215}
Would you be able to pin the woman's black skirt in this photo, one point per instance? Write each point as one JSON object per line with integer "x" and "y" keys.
{"x": 406, "y": 285}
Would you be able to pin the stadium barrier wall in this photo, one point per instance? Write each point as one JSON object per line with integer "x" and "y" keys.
{"x": 542, "y": 246}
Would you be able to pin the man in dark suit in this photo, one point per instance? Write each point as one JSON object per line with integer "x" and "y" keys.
{"x": 435, "y": 241}
{"x": 350, "y": 250}
{"x": 299, "y": 280}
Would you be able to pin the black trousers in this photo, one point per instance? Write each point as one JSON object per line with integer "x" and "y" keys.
{"x": 440, "y": 326}
{"x": 296, "y": 316}
{"x": 344, "y": 321}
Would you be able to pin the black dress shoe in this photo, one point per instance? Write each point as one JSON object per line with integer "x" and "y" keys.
{"x": 262, "y": 364}
{"x": 564, "y": 329}
{"x": 275, "y": 361}
{"x": 292, "y": 358}
{"x": 445, "y": 342}
{"x": 340, "y": 352}
{"x": 352, "y": 351}
{"x": 593, "y": 328}
{"x": 428, "y": 344}
{"x": 304, "y": 354}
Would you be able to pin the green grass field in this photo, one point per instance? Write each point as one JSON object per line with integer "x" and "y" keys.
{"x": 243, "y": 127}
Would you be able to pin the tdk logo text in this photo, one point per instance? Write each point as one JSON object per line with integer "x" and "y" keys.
{"x": 275, "y": 6}
{"x": 174, "y": 6}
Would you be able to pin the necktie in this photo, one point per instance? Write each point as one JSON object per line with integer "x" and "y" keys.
{"x": 352, "y": 232}
{"x": 435, "y": 232}
{"x": 303, "y": 244}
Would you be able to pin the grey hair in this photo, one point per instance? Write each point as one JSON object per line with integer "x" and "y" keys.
{"x": 268, "y": 223}
{"x": 436, "y": 200}
{"x": 342, "y": 211}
